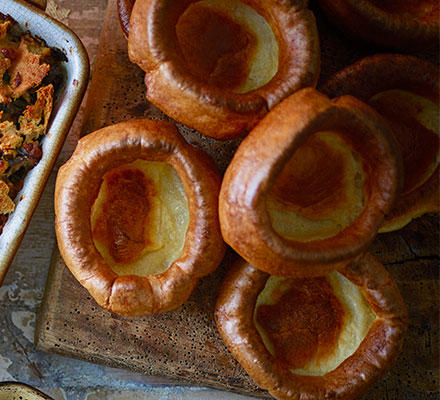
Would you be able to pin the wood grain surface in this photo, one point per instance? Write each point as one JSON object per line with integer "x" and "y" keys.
{"x": 183, "y": 346}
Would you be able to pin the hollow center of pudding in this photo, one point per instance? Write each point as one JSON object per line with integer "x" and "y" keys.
{"x": 415, "y": 122}
{"x": 319, "y": 191}
{"x": 408, "y": 9}
{"x": 227, "y": 44}
{"x": 312, "y": 325}
{"x": 140, "y": 217}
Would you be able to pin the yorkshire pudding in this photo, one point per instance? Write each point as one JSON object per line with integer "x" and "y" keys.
{"x": 328, "y": 337}
{"x": 405, "y": 90}
{"x": 136, "y": 216}
{"x": 406, "y": 25}
{"x": 308, "y": 188}
{"x": 218, "y": 66}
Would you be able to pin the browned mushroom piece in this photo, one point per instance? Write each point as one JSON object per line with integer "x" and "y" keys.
{"x": 327, "y": 337}
{"x": 405, "y": 90}
{"x": 125, "y": 8}
{"x": 136, "y": 216}
{"x": 218, "y": 66}
{"x": 405, "y": 25}
{"x": 308, "y": 188}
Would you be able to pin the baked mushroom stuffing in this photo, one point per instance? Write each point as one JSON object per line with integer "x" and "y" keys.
{"x": 31, "y": 74}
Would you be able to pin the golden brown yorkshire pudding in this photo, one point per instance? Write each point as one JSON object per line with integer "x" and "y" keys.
{"x": 308, "y": 188}
{"x": 136, "y": 216}
{"x": 328, "y": 337}
{"x": 124, "y": 12}
{"x": 405, "y": 90}
{"x": 219, "y": 65}
{"x": 406, "y": 25}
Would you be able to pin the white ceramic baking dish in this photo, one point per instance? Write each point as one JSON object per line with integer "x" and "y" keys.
{"x": 77, "y": 66}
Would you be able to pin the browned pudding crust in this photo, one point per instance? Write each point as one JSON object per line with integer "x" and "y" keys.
{"x": 398, "y": 24}
{"x": 106, "y": 156}
{"x": 195, "y": 57}
{"x": 419, "y": 144}
{"x": 214, "y": 47}
{"x": 312, "y": 181}
{"x": 126, "y": 214}
{"x": 304, "y": 323}
{"x": 373, "y": 358}
{"x": 262, "y": 163}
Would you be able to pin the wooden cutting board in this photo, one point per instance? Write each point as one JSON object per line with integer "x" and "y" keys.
{"x": 183, "y": 345}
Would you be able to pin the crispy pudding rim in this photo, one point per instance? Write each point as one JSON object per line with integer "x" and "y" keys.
{"x": 260, "y": 158}
{"x": 379, "y": 73}
{"x": 215, "y": 112}
{"x": 125, "y": 7}
{"x": 373, "y": 358}
{"x": 77, "y": 186}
